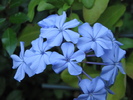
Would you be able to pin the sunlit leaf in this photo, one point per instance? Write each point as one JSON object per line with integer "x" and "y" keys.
{"x": 88, "y": 3}
{"x": 92, "y": 15}
{"x": 31, "y": 7}
{"x": 18, "y": 18}
{"x": 44, "y": 6}
{"x": 9, "y": 40}
{"x": 129, "y": 66}
{"x": 112, "y": 14}
{"x": 29, "y": 33}
{"x": 118, "y": 88}
{"x": 127, "y": 43}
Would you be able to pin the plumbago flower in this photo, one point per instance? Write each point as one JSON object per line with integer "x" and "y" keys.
{"x": 38, "y": 56}
{"x": 69, "y": 59}
{"x": 93, "y": 89}
{"x": 112, "y": 59}
{"x": 94, "y": 38}
{"x": 19, "y": 62}
{"x": 55, "y": 29}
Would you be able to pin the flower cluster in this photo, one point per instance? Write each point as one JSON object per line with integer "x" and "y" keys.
{"x": 75, "y": 48}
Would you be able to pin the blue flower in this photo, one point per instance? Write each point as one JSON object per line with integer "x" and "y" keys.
{"x": 18, "y": 62}
{"x": 94, "y": 38}
{"x": 59, "y": 30}
{"x": 93, "y": 90}
{"x": 112, "y": 59}
{"x": 38, "y": 56}
{"x": 69, "y": 59}
{"x": 112, "y": 39}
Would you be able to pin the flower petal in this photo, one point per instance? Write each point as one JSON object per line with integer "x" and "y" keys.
{"x": 74, "y": 69}
{"x": 85, "y": 30}
{"x": 67, "y": 49}
{"x": 16, "y": 61}
{"x": 71, "y": 24}
{"x": 71, "y": 36}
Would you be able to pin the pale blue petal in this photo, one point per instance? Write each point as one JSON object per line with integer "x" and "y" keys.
{"x": 37, "y": 44}
{"x": 74, "y": 69}
{"x": 84, "y": 44}
{"x": 22, "y": 49}
{"x": 47, "y": 57}
{"x": 104, "y": 43}
{"x": 99, "y": 30}
{"x": 49, "y": 32}
{"x": 100, "y": 95}
{"x": 78, "y": 56}
{"x": 55, "y": 41}
{"x": 38, "y": 65}
{"x": 28, "y": 71}
{"x": 59, "y": 66}
{"x": 67, "y": 49}
{"x": 84, "y": 85}
{"x": 16, "y": 61}
{"x": 60, "y": 20}
{"x": 83, "y": 97}
{"x": 107, "y": 72}
{"x": 20, "y": 74}
{"x": 71, "y": 24}
{"x": 121, "y": 68}
{"x": 49, "y": 21}
{"x": 85, "y": 30}
{"x": 73, "y": 36}
{"x": 97, "y": 49}
{"x": 55, "y": 57}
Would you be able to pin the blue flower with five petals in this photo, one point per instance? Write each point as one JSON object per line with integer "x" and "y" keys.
{"x": 69, "y": 59}
{"x": 60, "y": 30}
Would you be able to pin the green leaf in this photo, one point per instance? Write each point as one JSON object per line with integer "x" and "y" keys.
{"x": 31, "y": 7}
{"x": 29, "y": 33}
{"x": 77, "y": 5}
{"x": 73, "y": 80}
{"x": 129, "y": 66}
{"x": 111, "y": 15}
{"x": 15, "y": 95}
{"x": 44, "y": 6}
{"x": 92, "y": 15}
{"x": 9, "y": 40}
{"x": 118, "y": 88}
{"x": 119, "y": 23}
{"x": 69, "y": 79}
{"x": 18, "y": 18}
{"x": 2, "y": 85}
{"x": 2, "y": 20}
{"x": 69, "y": 2}
{"x": 88, "y": 3}
{"x": 127, "y": 43}
{"x": 66, "y": 6}
{"x": 2, "y": 7}
{"x": 16, "y": 3}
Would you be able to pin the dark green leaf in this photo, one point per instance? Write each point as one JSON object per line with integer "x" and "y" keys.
{"x": 88, "y": 3}
{"x": 57, "y": 3}
{"x": 29, "y": 33}
{"x": 92, "y": 15}
{"x": 9, "y": 40}
{"x": 2, "y": 20}
{"x": 18, "y": 18}
{"x": 31, "y": 7}
{"x": 15, "y": 3}
{"x": 2, "y": 85}
{"x": 77, "y": 5}
{"x": 2, "y": 7}
{"x": 65, "y": 7}
{"x": 15, "y": 95}
{"x": 127, "y": 43}
{"x": 111, "y": 15}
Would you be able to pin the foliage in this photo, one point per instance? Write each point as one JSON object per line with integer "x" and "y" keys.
{"x": 18, "y": 22}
